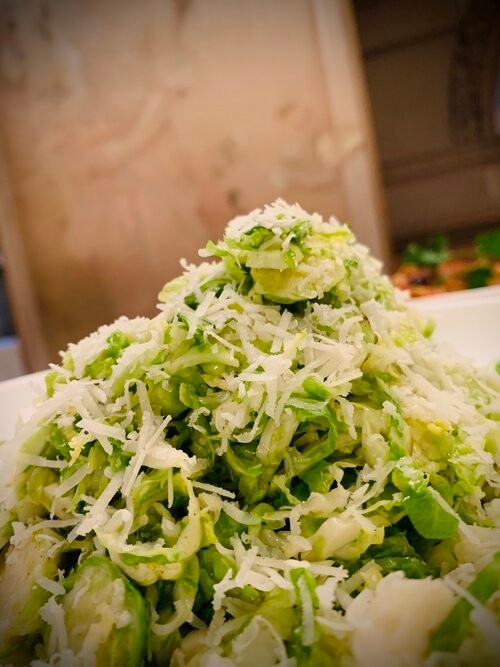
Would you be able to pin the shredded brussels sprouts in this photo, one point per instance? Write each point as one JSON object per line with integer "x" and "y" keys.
{"x": 281, "y": 468}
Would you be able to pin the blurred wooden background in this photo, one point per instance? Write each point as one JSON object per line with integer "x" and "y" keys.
{"x": 433, "y": 73}
{"x": 132, "y": 131}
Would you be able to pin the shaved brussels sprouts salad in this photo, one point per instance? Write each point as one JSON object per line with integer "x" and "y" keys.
{"x": 281, "y": 468}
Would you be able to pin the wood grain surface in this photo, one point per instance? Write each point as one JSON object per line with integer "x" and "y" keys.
{"x": 133, "y": 131}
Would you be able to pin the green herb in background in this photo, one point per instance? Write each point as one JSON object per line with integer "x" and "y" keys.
{"x": 488, "y": 244}
{"x": 478, "y": 277}
{"x": 431, "y": 253}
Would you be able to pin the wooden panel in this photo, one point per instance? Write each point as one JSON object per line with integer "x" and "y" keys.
{"x": 351, "y": 121}
{"x": 468, "y": 197}
{"x": 134, "y": 131}
{"x": 409, "y": 92}
{"x": 21, "y": 292}
{"x": 431, "y": 68}
{"x": 387, "y": 23}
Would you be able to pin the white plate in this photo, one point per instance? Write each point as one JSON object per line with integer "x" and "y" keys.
{"x": 16, "y": 400}
{"x": 468, "y": 321}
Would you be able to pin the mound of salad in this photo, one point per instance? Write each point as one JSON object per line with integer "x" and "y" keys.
{"x": 281, "y": 468}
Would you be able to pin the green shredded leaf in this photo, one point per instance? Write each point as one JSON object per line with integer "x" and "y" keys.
{"x": 428, "y": 517}
{"x": 457, "y": 625}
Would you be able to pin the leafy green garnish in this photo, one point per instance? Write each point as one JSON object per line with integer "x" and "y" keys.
{"x": 478, "y": 277}
{"x": 431, "y": 253}
{"x": 488, "y": 244}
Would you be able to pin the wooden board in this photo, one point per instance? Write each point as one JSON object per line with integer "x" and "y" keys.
{"x": 432, "y": 68}
{"x": 133, "y": 131}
